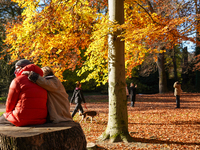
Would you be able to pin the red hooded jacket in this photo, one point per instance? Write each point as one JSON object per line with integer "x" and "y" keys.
{"x": 26, "y": 101}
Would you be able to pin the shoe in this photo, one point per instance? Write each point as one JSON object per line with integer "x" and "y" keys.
{"x": 177, "y": 107}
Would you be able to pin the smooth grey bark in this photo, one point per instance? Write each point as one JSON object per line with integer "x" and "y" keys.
{"x": 117, "y": 127}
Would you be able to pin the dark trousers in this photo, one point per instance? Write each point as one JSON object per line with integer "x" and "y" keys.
{"x": 177, "y": 101}
{"x": 78, "y": 107}
{"x": 132, "y": 101}
{"x": 4, "y": 121}
{"x": 127, "y": 96}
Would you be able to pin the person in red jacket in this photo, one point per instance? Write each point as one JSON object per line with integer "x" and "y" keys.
{"x": 26, "y": 102}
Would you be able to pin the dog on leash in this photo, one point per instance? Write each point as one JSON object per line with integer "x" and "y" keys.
{"x": 89, "y": 114}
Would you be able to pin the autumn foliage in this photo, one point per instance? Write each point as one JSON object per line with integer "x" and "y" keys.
{"x": 69, "y": 34}
{"x": 53, "y": 35}
{"x": 153, "y": 123}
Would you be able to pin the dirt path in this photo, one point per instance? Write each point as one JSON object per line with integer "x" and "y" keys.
{"x": 2, "y": 108}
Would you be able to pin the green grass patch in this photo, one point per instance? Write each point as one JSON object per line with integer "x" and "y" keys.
{"x": 2, "y": 99}
{"x": 1, "y": 113}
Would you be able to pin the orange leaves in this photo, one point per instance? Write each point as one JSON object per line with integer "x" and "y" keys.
{"x": 153, "y": 123}
{"x": 147, "y": 26}
{"x": 58, "y": 34}
{"x": 54, "y": 35}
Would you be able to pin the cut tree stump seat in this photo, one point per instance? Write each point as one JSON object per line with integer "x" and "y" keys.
{"x": 61, "y": 136}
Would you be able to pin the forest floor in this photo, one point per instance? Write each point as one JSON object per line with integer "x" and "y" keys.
{"x": 154, "y": 122}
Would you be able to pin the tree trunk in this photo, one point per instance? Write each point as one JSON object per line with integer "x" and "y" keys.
{"x": 174, "y": 64}
{"x": 117, "y": 127}
{"x": 184, "y": 73}
{"x": 162, "y": 74}
{"x": 61, "y": 136}
{"x": 197, "y": 51}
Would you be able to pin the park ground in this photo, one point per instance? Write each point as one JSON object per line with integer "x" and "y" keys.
{"x": 154, "y": 122}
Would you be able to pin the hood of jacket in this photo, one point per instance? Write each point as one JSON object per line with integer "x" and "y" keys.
{"x": 31, "y": 67}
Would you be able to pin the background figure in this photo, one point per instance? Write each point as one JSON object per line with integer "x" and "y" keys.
{"x": 132, "y": 93}
{"x": 79, "y": 98}
{"x": 57, "y": 102}
{"x": 177, "y": 93}
{"x": 26, "y": 101}
{"x": 127, "y": 92}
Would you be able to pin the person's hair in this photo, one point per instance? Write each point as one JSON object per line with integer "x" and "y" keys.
{"x": 22, "y": 63}
{"x": 78, "y": 84}
{"x": 47, "y": 71}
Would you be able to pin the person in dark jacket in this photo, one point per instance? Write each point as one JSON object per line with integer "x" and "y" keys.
{"x": 127, "y": 93}
{"x": 132, "y": 93}
{"x": 78, "y": 98}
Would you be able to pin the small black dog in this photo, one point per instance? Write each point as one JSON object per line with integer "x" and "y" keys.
{"x": 88, "y": 114}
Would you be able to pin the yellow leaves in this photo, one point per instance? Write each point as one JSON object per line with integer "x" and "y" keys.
{"x": 53, "y": 36}
{"x": 97, "y": 53}
{"x": 58, "y": 34}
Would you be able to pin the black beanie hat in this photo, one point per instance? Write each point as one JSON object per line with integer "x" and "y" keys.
{"x": 22, "y": 63}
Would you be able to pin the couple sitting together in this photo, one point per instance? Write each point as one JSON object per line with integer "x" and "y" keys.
{"x": 35, "y": 97}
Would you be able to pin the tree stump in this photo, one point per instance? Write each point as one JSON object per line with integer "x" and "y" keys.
{"x": 91, "y": 146}
{"x": 61, "y": 136}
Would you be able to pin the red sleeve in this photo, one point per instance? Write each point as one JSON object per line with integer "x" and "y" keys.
{"x": 32, "y": 67}
{"x": 13, "y": 96}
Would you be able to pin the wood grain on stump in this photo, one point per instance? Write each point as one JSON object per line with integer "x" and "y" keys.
{"x": 61, "y": 136}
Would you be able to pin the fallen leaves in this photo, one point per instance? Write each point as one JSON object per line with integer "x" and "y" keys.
{"x": 154, "y": 123}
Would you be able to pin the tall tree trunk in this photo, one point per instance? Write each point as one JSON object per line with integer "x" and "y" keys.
{"x": 197, "y": 51}
{"x": 117, "y": 127}
{"x": 184, "y": 73}
{"x": 174, "y": 64}
{"x": 162, "y": 74}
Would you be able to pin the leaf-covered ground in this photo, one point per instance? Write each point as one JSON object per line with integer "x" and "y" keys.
{"x": 154, "y": 122}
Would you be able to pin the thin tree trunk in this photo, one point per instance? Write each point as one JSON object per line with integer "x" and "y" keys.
{"x": 197, "y": 51}
{"x": 185, "y": 66}
{"x": 162, "y": 74}
{"x": 117, "y": 127}
{"x": 174, "y": 64}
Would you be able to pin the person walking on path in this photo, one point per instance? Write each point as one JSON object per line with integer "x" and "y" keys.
{"x": 78, "y": 98}
{"x": 127, "y": 93}
{"x": 132, "y": 93}
{"x": 57, "y": 102}
{"x": 177, "y": 93}
{"x": 26, "y": 103}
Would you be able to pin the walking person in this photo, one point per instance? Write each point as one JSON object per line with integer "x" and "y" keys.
{"x": 132, "y": 93}
{"x": 78, "y": 98}
{"x": 177, "y": 93}
{"x": 127, "y": 93}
